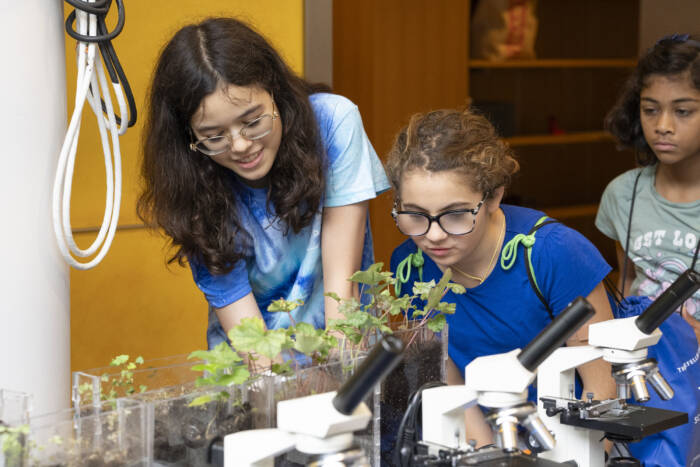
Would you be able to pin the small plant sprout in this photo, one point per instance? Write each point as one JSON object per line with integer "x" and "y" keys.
{"x": 125, "y": 380}
{"x": 222, "y": 367}
{"x": 252, "y": 338}
{"x": 122, "y": 384}
{"x": 363, "y": 320}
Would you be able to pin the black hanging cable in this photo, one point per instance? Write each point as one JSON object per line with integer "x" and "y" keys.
{"x": 629, "y": 232}
{"x": 100, "y": 9}
{"x": 406, "y": 436}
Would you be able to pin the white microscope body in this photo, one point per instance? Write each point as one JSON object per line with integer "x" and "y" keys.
{"x": 310, "y": 424}
{"x": 496, "y": 382}
{"x": 617, "y": 341}
{"x": 623, "y": 343}
{"x": 319, "y": 425}
{"x": 499, "y": 383}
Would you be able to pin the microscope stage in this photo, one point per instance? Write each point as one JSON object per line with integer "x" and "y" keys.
{"x": 638, "y": 422}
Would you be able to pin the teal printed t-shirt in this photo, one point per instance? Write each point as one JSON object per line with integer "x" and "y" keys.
{"x": 663, "y": 234}
{"x": 284, "y": 264}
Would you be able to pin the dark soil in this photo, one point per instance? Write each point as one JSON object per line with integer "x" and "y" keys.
{"x": 421, "y": 364}
{"x": 182, "y": 435}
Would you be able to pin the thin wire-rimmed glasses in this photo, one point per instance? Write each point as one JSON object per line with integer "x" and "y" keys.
{"x": 252, "y": 131}
{"x": 453, "y": 222}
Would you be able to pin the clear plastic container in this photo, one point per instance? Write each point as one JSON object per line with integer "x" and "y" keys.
{"x": 424, "y": 361}
{"x": 158, "y": 373}
{"x": 107, "y": 434}
{"x": 178, "y": 434}
{"x": 14, "y": 405}
{"x": 15, "y": 408}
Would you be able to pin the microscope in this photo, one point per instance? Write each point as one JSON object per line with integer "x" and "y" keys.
{"x": 318, "y": 429}
{"x": 497, "y": 383}
{"x": 581, "y": 425}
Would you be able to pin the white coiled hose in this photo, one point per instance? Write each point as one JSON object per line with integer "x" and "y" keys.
{"x": 91, "y": 86}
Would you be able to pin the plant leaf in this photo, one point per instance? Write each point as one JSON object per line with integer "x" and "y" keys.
{"x": 422, "y": 289}
{"x": 272, "y": 343}
{"x": 307, "y": 339}
{"x": 333, "y": 295}
{"x": 247, "y": 334}
{"x": 119, "y": 360}
{"x": 283, "y": 305}
{"x": 282, "y": 368}
{"x": 436, "y": 323}
{"x": 201, "y": 400}
{"x": 349, "y": 306}
{"x": 371, "y": 276}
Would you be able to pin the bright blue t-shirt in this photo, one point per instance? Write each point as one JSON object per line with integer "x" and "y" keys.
{"x": 284, "y": 264}
{"x": 504, "y": 313}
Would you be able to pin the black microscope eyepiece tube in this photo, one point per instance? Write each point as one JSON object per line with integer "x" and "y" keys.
{"x": 669, "y": 301}
{"x": 556, "y": 333}
{"x": 383, "y": 357}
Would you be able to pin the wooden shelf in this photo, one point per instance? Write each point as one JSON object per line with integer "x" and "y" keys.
{"x": 556, "y": 63}
{"x": 573, "y": 211}
{"x": 565, "y": 138}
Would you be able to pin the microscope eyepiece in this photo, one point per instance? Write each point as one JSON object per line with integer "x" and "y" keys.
{"x": 556, "y": 333}
{"x": 669, "y": 301}
{"x": 383, "y": 357}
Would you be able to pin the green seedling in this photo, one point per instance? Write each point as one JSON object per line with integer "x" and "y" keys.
{"x": 252, "y": 340}
{"x": 221, "y": 367}
{"x": 121, "y": 384}
{"x": 424, "y": 308}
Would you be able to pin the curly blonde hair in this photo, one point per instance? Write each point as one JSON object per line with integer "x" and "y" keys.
{"x": 456, "y": 140}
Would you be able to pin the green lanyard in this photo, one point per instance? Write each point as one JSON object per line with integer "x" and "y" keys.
{"x": 510, "y": 253}
{"x": 403, "y": 270}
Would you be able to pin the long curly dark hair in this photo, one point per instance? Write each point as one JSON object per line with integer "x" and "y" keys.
{"x": 187, "y": 194}
{"x": 452, "y": 140}
{"x": 670, "y": 56}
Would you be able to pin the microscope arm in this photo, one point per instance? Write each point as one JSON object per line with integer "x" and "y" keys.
{"x": 256, "y": 448}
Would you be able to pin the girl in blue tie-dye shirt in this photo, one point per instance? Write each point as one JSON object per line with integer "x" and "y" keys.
{"x": 261, "y": 181}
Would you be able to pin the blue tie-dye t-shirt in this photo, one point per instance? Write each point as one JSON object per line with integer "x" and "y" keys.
{"x": 288, "y": 265}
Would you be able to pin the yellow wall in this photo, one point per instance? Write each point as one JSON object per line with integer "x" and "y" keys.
{"x": 132, "y": 302}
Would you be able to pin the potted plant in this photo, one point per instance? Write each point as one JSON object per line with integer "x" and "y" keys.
{"x": 182, "y": 416}
{"x": 418, "y": 319}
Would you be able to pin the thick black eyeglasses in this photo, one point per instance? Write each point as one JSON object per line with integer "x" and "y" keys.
{"x": 453, "y": 222}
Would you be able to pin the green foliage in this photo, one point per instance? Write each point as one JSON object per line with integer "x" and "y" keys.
{"x": 284, "y": 305}
{"x": 111, "y": 386}
{"x": 12, "y": 443}
{"x": 251, "y": 336}
{"x": 221, "y": 367}
{"x": 360, "y": 321}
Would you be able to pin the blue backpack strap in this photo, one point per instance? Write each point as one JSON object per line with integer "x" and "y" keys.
{"x": 510, "y": 253}
{"x": 403, "y": 270}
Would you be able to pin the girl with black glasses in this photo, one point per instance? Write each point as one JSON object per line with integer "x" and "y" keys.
{"x": 449, "y": 171}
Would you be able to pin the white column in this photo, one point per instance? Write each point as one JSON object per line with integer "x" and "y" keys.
{"x": 34, "y": 280}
